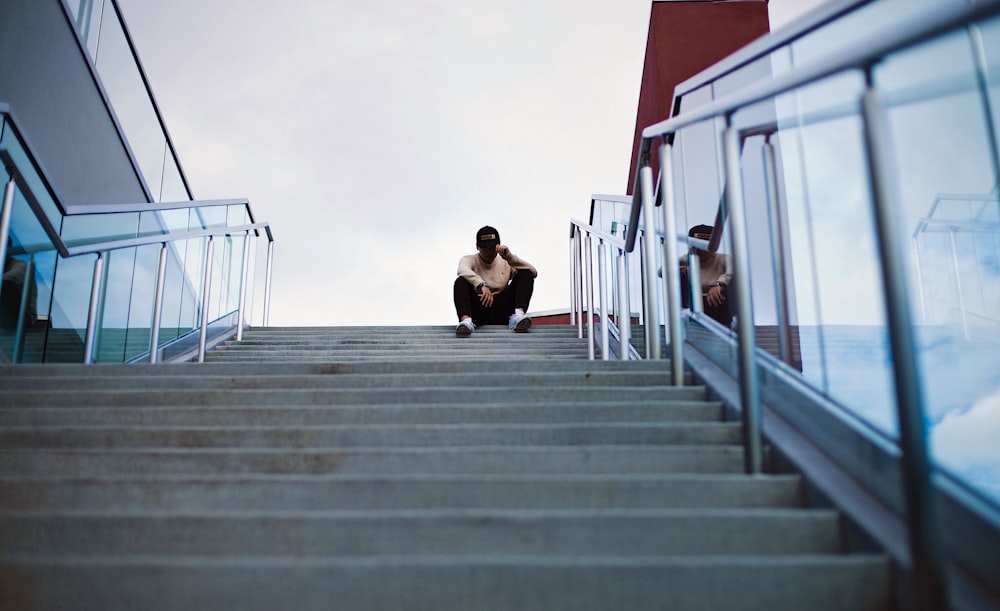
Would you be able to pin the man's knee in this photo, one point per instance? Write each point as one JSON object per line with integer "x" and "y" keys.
{"x": 524, "y": 279}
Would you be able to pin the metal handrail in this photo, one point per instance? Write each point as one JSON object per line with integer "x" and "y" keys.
{"x": 102, "y": 249}
{"x": 17, "y": 180}
{"x": 81, "y": 209}
{"x": 97, "y": 247}
{"x": 920, "y": 507}
{"x": 862, "y": 56}
{"x": 581, "y": 249}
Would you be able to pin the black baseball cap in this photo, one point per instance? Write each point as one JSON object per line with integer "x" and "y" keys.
{"x": 487, "y": 236}
{"x": 702, "y": 232}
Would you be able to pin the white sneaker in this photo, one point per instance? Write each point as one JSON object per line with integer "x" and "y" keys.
{"x": 465, "y": 328}
{"x": 519, "y": 323}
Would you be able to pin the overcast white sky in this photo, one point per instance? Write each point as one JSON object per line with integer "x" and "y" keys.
{"x": 377, "y": 136}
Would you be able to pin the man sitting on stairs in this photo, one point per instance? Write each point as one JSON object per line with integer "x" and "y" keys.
{"x": 492, "y": 290}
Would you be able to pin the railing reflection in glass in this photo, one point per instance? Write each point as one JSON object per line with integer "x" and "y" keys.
{"x": 101, "y": 29}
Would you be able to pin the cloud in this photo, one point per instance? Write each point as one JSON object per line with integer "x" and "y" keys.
{"x": 376, "y": 137}
{"x": 965, "y": 442}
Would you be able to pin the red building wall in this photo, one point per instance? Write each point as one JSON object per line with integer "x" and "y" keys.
{"x": 685, "y": 37}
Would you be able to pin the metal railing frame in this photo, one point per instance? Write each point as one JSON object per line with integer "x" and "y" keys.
{"x": 930, "y": 590}
{"x": 102, "y": 250}
{"x": 584, "y": 306}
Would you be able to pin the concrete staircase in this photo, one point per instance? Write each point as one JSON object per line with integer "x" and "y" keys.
{"x": 399, "y": 468}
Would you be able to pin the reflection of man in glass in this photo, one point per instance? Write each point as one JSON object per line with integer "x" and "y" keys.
{"x": 14, "y": 272}
{"x": 716, "y": 273}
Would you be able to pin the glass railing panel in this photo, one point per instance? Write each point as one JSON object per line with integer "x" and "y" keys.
{"x": 12, "y": 143}
{"x": 222, "y": 251}
{"x": 182, "y": 289}
{"x": 211, "y": 216}
{"x": 237, "y": 215}
{"x": 105, "y": 39}
{"x": 143, "y": 294}
{"x": 834, "y": 293}
{"x": 70, "y": 303}
{"x": 255, "y": 290}
{"x": 172, "y": 189}
{"x": 87, "y": 14}
{"x": 174, "y": 281}
{"x": 130, "y": 99}
{"x": 236, "y": 272}
{"x": 755, "y": 71}
{"x": 953, "y": 273}
{"x": 612, "y": 216}
{"x": 166, "y": 222}
{"x": 28, "y": 275}
{"x": 701, "y": 174}
{"x": 226, "y": 285}
{"x": 858, "y": 25}
{"x": 174, "y": 221}
{"x": 113, "y": 310}
{"x": 89, "y": 228}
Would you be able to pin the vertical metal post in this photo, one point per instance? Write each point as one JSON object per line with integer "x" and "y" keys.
{"x": 95, "y": 297}
{"x": 5, "y": 212}
{"x": 243, "y": 287}
{"x": 83, "y": 19}
{"x": 225, "y": 286}
{"x": 959, "y": 291}
{"x": 578, "y": 260}
{"x": 205, "y": 295}
{"x": 644, "y": 311}
{"x": 694, "y": 274}
{"x": 267, "y": 283}
{"x": 775, "y": 215}
{"x": 602, "y": 284}
{"x": 918, "y": 266}
{"x": 624, "y": 316}
{"x": 154, "y": 334}
{"x": 749, "y": 385}
{"x": 588, "y": 245}
{"x": 22, "y": 311}
{"x": 930, "y": 591}
{"x": 649, "y": 265}
{"x": 671, "y": 270}
{"x": 573, "y": 275}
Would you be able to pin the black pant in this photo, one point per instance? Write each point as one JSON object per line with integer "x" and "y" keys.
{"x": 722, "y": 313}
{"x": 516, "y": 295}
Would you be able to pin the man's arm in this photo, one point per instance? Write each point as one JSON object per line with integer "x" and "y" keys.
{"x": 515, "y": 261}
{"x": 466, "y": 271}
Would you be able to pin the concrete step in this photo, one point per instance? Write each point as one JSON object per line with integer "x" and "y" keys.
{"x": 451, "y": 582}
{"x": 149, "y": 381}
{"x": 401, "y": 343}
{"x": 421, "y": 491}
{"x": 393, "y": 413}
{"x": 616, "y": 532}
{"x": 601, "y": 433}
{"x": 400, "y": 467}
{"x": 12, "y": 375}
{"x": 215, "y": 397}
{"x": 402, "y": 331}
{"x": 385, "y": 355}
{"x": 583, "y": 459}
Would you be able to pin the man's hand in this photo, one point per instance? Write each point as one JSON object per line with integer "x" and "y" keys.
{"x": 486, "y": 296}
{"x": 502, "y": 250}
{"x": 716, "y": 295}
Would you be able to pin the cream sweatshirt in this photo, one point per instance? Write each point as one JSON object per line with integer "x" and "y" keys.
{"x": 497, "y": 274}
